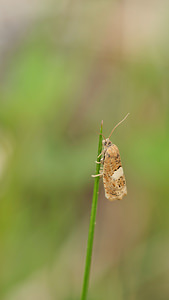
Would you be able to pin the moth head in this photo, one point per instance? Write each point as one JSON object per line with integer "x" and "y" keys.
{"x": 106, "y": 143}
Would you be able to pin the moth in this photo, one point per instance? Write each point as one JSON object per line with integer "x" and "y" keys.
{"x": 112, "y": 171}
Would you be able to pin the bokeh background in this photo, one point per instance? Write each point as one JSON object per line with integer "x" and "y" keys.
{"x": 65, "y": 66}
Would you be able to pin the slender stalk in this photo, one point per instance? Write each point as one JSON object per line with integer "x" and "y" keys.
{"x": 92, "y": 225}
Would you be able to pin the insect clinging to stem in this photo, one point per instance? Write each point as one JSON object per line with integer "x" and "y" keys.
{"x": 112, "y": 171}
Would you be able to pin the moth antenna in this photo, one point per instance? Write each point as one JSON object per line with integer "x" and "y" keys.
{"x": 102, "y": 135}
{"x": 118, "y": 125}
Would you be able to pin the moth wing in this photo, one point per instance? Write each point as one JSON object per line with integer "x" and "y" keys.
{"x": 113, "y": 175}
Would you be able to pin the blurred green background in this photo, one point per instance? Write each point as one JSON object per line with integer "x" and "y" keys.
{"x": 65, "y": 66}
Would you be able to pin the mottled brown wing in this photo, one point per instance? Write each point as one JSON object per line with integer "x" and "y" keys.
{"x": 113, "y": 176}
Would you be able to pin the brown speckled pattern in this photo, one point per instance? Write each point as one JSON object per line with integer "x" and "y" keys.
{"x": 114, "y": 189}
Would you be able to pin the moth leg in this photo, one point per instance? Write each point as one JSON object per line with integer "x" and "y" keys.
{"x": 99, "y": 162}
{"x": 101, "y": 153}
{"x": 97, "y": 175}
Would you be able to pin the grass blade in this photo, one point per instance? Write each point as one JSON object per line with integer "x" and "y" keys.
{"x": 92, "y": 224}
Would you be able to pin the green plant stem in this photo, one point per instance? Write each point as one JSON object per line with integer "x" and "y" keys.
{"x": 92, "y": 225}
